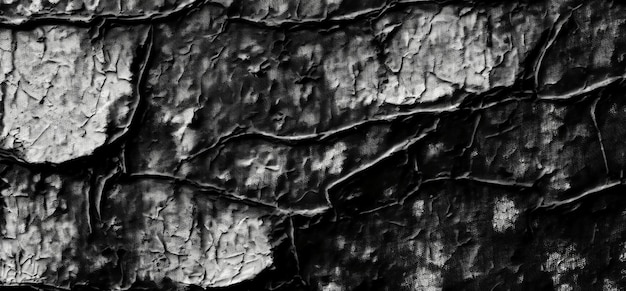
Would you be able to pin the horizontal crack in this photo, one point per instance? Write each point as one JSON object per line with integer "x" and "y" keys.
{"x": 242, "y": 132}
{"x": 466, "y": 177}
{"x": 225, "y": 194}
{"x": 587, "y": 88}
{"x": 590, "y": 192}
{"x": 374, "y": 12}
{"x": 162, "y": 16}
{"x": 78, "y": 20}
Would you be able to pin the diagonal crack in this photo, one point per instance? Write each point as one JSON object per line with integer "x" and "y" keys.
{"x": 554, "y": 33}
{"x": 392, "y": 152}
{"x": 592, "y": 110}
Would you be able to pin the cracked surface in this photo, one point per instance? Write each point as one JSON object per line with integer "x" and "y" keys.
{"x": 312, "y": 145}
{"x": 62, "y": 95}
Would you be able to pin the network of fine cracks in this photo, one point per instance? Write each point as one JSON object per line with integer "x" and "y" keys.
{"x": 110, "y": 174}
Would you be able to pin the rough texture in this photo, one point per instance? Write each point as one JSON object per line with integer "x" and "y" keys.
{"x": 313, "y": 145}
{"x": 64, "y": 96}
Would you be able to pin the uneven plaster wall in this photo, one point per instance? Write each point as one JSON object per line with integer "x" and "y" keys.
{"x": 312, "y": 145}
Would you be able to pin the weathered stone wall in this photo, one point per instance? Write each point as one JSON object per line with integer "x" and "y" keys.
{"x": 313, "y": 145}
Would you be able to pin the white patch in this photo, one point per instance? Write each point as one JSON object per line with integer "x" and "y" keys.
{"x": 504, "y": 214}
{"x": 426, "y": 280}
{"x": 432, "y": 257}
{"x": 388, "y": 192}
{"x": 559, "y": 182}
{"x": 372, "y": 143}
{"x": 332, "y": 286}
{"x": 264, "y": 168}
{"x": 341, "y": 242}
{"x": 561, "y": 263}
{"x": 418, "y": 208}
{"x": 609, "y": 285}
{"x": 185, "y": 138}
{"x": 434, "y": 150}
{"x": 367, "y": 254}
{"x": 333, "y": 159}
{"x": 35, "y": 6}
{"x": 91, "y": 5}
{"x": 622, "y": 256}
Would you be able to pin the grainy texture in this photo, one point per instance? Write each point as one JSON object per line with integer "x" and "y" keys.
{"x": 312, "y": 145}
